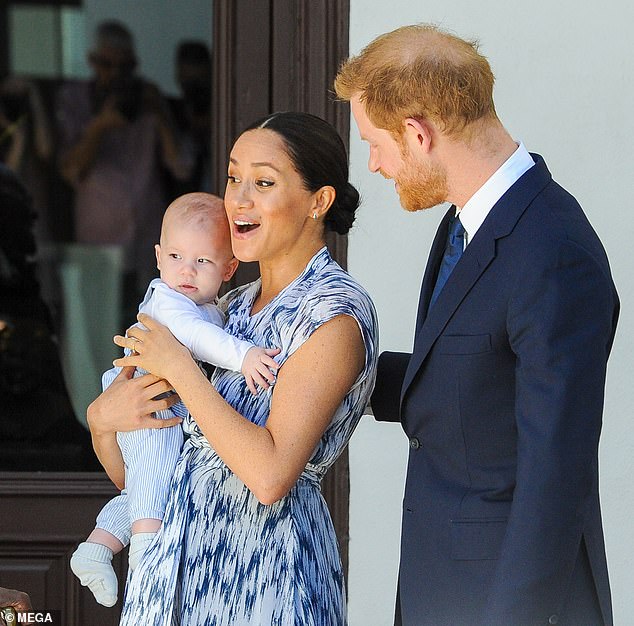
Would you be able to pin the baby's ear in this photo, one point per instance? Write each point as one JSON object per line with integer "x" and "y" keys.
{"x": 230, "y": 269}
{"x": 157, "y": 251}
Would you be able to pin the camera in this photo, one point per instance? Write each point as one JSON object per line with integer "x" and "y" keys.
{"x": 128, "y": 97}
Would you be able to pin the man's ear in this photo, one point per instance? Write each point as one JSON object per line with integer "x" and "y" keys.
{"x": 157, "y": 251}
{"x": 230, "y": 269}
{"x": 418, "y": 133}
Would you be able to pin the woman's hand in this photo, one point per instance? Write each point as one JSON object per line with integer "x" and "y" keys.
{"x": 128, "y": 404}
{"x": 157, "y": 350}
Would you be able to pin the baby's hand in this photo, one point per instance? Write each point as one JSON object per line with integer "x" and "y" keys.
{"x": 259, "y": 368}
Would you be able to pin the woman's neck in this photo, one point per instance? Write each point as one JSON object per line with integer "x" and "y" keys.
{"x": 282, "y": 271}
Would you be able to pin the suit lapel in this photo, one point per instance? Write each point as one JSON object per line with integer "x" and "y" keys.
{"x": 433, "y": 264}
{"x": 476, "y": 258}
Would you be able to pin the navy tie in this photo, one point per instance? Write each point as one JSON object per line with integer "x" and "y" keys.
{"x": 453, "y": 252}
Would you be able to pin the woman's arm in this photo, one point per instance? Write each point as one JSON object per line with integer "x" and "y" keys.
{"x": 206, "y": 341}
{"x": 79, "y": 158}
{"x": 310, "y": 386}
{"x": 127, "y": 404}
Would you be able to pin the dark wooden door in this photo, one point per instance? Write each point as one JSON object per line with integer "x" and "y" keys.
{"x": 43, "y": 516}
{"x": 281, "y": 55}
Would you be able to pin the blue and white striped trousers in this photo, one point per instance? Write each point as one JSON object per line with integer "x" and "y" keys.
{"x": 150, "y": 456}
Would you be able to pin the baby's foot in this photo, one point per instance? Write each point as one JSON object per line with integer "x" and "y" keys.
{"x": 92, "y": 564}
{"x": 139, "y": 543}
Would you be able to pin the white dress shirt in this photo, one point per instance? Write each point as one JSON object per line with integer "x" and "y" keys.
{"x": 474, "y": 212}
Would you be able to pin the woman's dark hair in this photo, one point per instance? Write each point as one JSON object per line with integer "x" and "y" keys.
{"x": 320, "y": 158}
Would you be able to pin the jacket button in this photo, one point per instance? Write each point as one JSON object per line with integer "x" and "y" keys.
{"x": 553, "y": 619}
{"x": 414, "y": 444}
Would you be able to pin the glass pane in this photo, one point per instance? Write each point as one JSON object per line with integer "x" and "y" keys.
{"x": 34, "y": 24}
{"x": 74, "y": 43}
{"x": 47, "y": 42}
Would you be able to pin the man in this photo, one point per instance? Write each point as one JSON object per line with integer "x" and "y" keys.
{"x": 502, "y": 397}
{"x": 116, "y": 136}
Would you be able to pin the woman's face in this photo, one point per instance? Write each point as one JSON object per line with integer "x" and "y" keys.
{"x": 267, "y": 204}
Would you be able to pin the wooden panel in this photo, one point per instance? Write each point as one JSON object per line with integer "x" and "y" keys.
{"x": 42, "y": 519}
{"x": 241, "y": 86}
{"x": 282, "y": 56}
{"x": 309, "y": 41}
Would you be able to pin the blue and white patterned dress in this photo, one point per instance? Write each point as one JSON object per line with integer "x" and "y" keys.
{"x": 221, "y": 558}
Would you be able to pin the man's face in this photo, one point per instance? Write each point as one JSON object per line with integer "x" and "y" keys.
{"x": 385, "y": 152}
{"x": 419, "y": 182}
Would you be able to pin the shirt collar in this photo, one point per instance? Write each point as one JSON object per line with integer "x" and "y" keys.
{"x": 475, "y": 211}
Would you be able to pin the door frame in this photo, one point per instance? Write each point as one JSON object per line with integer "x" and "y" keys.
{"x": 280, "y": 55}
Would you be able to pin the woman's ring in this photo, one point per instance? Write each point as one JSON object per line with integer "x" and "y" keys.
{"x": 134, "y": 345}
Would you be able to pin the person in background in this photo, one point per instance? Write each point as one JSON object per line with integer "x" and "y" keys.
{"x": 116, "y": 135}
{"x": 502, "y": 397}
{"x": 26, "y": 145}
{"x": 38, "y": 426}
{"x": 192, "y": 114}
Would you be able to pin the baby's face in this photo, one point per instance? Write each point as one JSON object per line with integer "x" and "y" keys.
{"x": 194, "y": 261}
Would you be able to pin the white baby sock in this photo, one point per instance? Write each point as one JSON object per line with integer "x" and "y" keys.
{"x": 92, "y": 564}
{"x": 139, "y": 543}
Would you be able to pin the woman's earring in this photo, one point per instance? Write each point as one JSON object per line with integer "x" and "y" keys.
{"x": 315, "y": 215}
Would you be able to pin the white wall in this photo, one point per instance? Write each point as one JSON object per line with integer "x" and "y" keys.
{"x": 565, "y": 87}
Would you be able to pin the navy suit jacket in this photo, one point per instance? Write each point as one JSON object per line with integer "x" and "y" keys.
{"x": 502, "y": 401}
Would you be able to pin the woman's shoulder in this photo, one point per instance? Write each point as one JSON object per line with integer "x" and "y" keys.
{"x": 328, "y": 291}
{"x": 334, "y": 285}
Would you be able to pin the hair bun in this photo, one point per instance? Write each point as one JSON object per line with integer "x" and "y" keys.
{"x": 341, "y": 215}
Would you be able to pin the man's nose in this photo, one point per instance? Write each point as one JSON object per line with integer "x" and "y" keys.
{"x": 373, "y": 162}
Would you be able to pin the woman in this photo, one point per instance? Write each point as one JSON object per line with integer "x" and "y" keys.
{"x": 247, "y": 538}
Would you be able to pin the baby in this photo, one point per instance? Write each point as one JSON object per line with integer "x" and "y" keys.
{"x": 194, "y": 258}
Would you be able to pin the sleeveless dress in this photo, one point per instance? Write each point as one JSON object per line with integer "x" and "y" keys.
{"x": 221, "y": 558}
